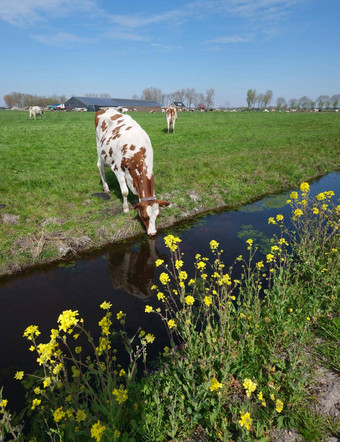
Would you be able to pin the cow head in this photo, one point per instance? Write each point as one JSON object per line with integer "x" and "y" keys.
{"x": 148, "y": 210}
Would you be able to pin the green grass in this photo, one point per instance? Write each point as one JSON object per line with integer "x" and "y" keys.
{"x": 48, "y": 169}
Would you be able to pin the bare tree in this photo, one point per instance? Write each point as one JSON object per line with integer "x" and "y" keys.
{"x": 209, "y": 97}
{"x": 280, "y": 103}
{"x": 267, "y": 97}
{"x": 305, "y": 102}
{"x": 251, "y": 97}
{"x": 292, "y": 103}
{"x": 321, "y": 100}
{"x": 335, "y": 99}
{"x": 152, "y": 93}
{"x": 105, "y": 95}
{"x": 190, "y": 96}
{"x": 259, "y": 101}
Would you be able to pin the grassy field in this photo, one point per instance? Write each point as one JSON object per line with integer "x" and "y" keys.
{"x": 48, "y": 172}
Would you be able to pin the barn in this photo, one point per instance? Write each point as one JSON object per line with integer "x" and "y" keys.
{"x": 93, "y": 104}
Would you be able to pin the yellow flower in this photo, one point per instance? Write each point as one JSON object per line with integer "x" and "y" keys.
{"x": 37, "y": 390}
{"x": 214, "y": 384}
{"x": 97, "y": 431}
{"x": 245, "y": 420}
{"x": 164, "y": 278}
{"x": 35, "y": 403}
{"x": 315, "y": 210}
{"x": 189, "y": 300}
{"x": 260, "y": 396}
{"x": 149, "y": 338}
{"x": 294, "y": 196}
{"x": 3, "y": 403}
{"x": 47, "y": 382}
{"x": 120, "y": 315}
{"x": 298, "y": 212}
{"x": 105, "y": 324}
{"x": 271, "y": 220}
{"x": 19, "y": 375}
{"x": 304, "y": 187}
{"x": 178, "y": 264}
{"x": 214, "y": 244}
{"x": 78, "y": 350}
{"x": 270, "y": 257}
{"x": 31, "y": 331}
{"x": 171, "y": 323}
{"x": 159, "y": 262}
{"x": 121, "y": 395}
{"x": 201, "y": 265}
{"x": 122, "y": 372}
{"x": 116, "y": 434}
{"x": 225, "y": 280}
{"x": 278, "y": 405}
{"x": 182, "y": 275}
{"x": 171, "y": 242}
{"x": 207, "y": 301}
{"x": 106, "y": 305}
{"x": 160, "y": 296}
{"x": 321, "y": 196}
{"x": 249, "y": 386}
{"x": 279, "y": 217}
{"x": 148, "y": 309}
{"x": 259, "y": 265}
{"x": 67, "y": 320}
{"x": 250, "y": 242}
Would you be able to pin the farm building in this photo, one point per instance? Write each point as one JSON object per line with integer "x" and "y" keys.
{"x": 178, "y": 104}
{"x": 93, "y": 104}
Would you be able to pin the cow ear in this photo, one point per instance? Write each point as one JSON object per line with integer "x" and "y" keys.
{"x": 163, "y": 203}
{"x": 137, "y": 206}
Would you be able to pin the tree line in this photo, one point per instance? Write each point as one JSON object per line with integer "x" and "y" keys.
{"x": 18, "y": 99}
{"x": 262, "y": 100}
{"x": 188, "y": 96}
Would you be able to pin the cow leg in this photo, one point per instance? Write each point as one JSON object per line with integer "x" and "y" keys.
{"x": 173, "y": 126}
{"x": 168, "y": 126}
{"x": 123, "y": 188}
{"x": 101, "y": 167}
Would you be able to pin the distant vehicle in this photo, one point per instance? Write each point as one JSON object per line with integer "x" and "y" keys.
{"x": 61, "y": 107}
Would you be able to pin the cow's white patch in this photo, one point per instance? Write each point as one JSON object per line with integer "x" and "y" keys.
{"x": 153, "y": 212}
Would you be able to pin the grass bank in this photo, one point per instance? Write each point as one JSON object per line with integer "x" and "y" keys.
{"x": 243, "y": 349}
{"x": 48, "y": 173}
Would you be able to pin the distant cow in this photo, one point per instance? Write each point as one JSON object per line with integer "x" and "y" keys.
{"x": 125, "y": 110}
{"x": 126, "y": 148}
{"x": 171, "y": 116}
{"x": 35, "y": 111}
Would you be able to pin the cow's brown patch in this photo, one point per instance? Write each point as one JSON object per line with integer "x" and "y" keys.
{"x": 98, "y": 114}
{"x": 132, "y": 147}
{"x": 115, "y": 117}
{"x": 104, "y": 126}
{"x": 128, "y": 128}
{"x": 110, "y": 151}
{"x": 103, "y": 152}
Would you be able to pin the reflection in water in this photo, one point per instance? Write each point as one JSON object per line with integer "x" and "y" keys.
{"x": 123, "y": 275}
{"x": 132, "y": 270}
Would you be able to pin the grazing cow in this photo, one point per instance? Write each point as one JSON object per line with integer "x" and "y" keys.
{"x": 126, "y": 148}
{"x": 35, "y": 111}
{"x": 125, "y": 110}
{"x": 171, "y": 116}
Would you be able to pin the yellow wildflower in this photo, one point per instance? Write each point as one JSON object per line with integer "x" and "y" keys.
{"x": 19, "y": 375}
{"x": 271, "y": 220}
{"x": 171, "y": 323}
{"x": 3, "y": 403}
{"x": 259, "y": 265}
{"x": 178, "y": 264}
{"x": 171, "y": 242}
{"x": 159, "y": 262}
{"x": 249, "y": 386}
{"x": 294, "y": 196}
{"x": 189, "y": 300}
{"x": 270, "y": 257}
{"x": 149, "y": 338}
{"x": 214, "y": 244}
{"x": 97, "y": 431}
{"x": 35, "y": 403}
{"x": 279, "y": 217}
{"x": 278, "y": 405}
{"x": 250, "y": 242}
{"x": 207, "y": 301}
{"x": 67, "y": 320}
{"x": 214, "y": 384}
{"x": 106, "y": 305}
{"x": 121, "y": 395}
{"x": 148, "y": 309}
{"x": 298, "y": 212}
{"x": 321, "y": 196}
{"x": 160, "y": 296}
{"x": 120, "y": 315}
{"x": 164, "y": 278}
{"x": 31, "y": 331}
{"x": 105, "y": 324}
{"x": 245, "y": 420}
{"x": 304, "y": 187}
{"x": 116, "y": 434}
{"x": 182, "y": 275}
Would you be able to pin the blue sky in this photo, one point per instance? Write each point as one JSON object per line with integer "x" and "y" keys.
{"x": 76, "y": 47}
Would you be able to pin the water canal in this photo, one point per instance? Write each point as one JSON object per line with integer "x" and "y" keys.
{"x": 123, "y": 275}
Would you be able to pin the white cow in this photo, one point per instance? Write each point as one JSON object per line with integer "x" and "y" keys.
{"x": 125, "y": 110}
{"x": 126, "y": 148}
{"x": 35, "y": 111}
{"x": 171, "y": 117}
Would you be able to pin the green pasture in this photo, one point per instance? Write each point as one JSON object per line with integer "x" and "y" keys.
{"x": 48, "y": 172}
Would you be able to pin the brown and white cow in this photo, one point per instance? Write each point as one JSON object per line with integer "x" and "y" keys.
{"x": 35, "y": 111}
{"x": 171, "y": 116}
{"x": 126, "y": 148}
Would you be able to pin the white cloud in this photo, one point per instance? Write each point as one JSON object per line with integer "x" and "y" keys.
{"x": 60, "y": 39}
{"x": 231, "y": 39}
{"x": 26, "y": 13}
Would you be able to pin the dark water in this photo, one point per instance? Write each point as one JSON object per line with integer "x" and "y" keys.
{"x": 123, "y": 275}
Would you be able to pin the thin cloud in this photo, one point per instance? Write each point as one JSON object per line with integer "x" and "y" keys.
{"x": 231, "y": 39}
{"x": 61, "y": 39}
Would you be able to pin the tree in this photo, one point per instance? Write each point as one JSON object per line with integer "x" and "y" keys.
{"x": 251, "y": 97}
{"x": 321, "y": 100}
{"x": 292, "y": 103}
{"x": 190, "y": 96}
{"x": 209, "y": 97}
{"x": 335, "y": 99}
{"x": 259, "y": 101}
{"x": 280, "y": 103}
{"x": 305, "y": 102}
{"x": 152, "y": 93}
{"x": 267, "y": 97}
